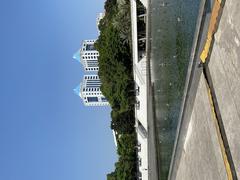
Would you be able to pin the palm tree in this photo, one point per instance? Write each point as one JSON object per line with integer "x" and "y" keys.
{"x": 122, "y": 21}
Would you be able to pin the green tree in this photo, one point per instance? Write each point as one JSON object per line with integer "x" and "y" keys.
{"x": 116, "y": 73}
{"x": 123, "y": 123}
{"x": 112, "y": 176}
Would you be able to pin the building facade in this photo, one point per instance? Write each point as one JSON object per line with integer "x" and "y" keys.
{"x": 89, "y": 91}
{"x": 88, "y": 56}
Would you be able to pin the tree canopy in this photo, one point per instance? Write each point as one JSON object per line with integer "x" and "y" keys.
{"x": 116, "y": 74}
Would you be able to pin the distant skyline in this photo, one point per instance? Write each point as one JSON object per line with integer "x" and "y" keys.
{"x": 46, "y": 133}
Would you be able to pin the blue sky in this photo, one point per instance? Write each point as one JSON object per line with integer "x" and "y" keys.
{"x": 45, "y": 131}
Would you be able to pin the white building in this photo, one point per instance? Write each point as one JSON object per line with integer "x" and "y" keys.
{"x": 141, "y": 113}
{"x": 88, "y": 56}
{"x": 89, "y": 91}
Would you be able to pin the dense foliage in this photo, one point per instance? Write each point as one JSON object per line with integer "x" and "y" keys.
{"x": 115, "y": 71}
{"x": 115, "y": 66}
{"x": 123, "y": 123}
{"x": 126, "y": 165}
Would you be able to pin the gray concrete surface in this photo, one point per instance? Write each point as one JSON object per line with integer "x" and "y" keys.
{"x": 201, "y": 158}
{"x": 198, "y": 154}
{"x": 224, "y": 75}
{"x": 224, "y": 68}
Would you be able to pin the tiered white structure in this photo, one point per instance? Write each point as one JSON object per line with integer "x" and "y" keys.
{"x": 141, "y": 89}
{"x": 89, "y": 91}
{"x": 88, "y": 56}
